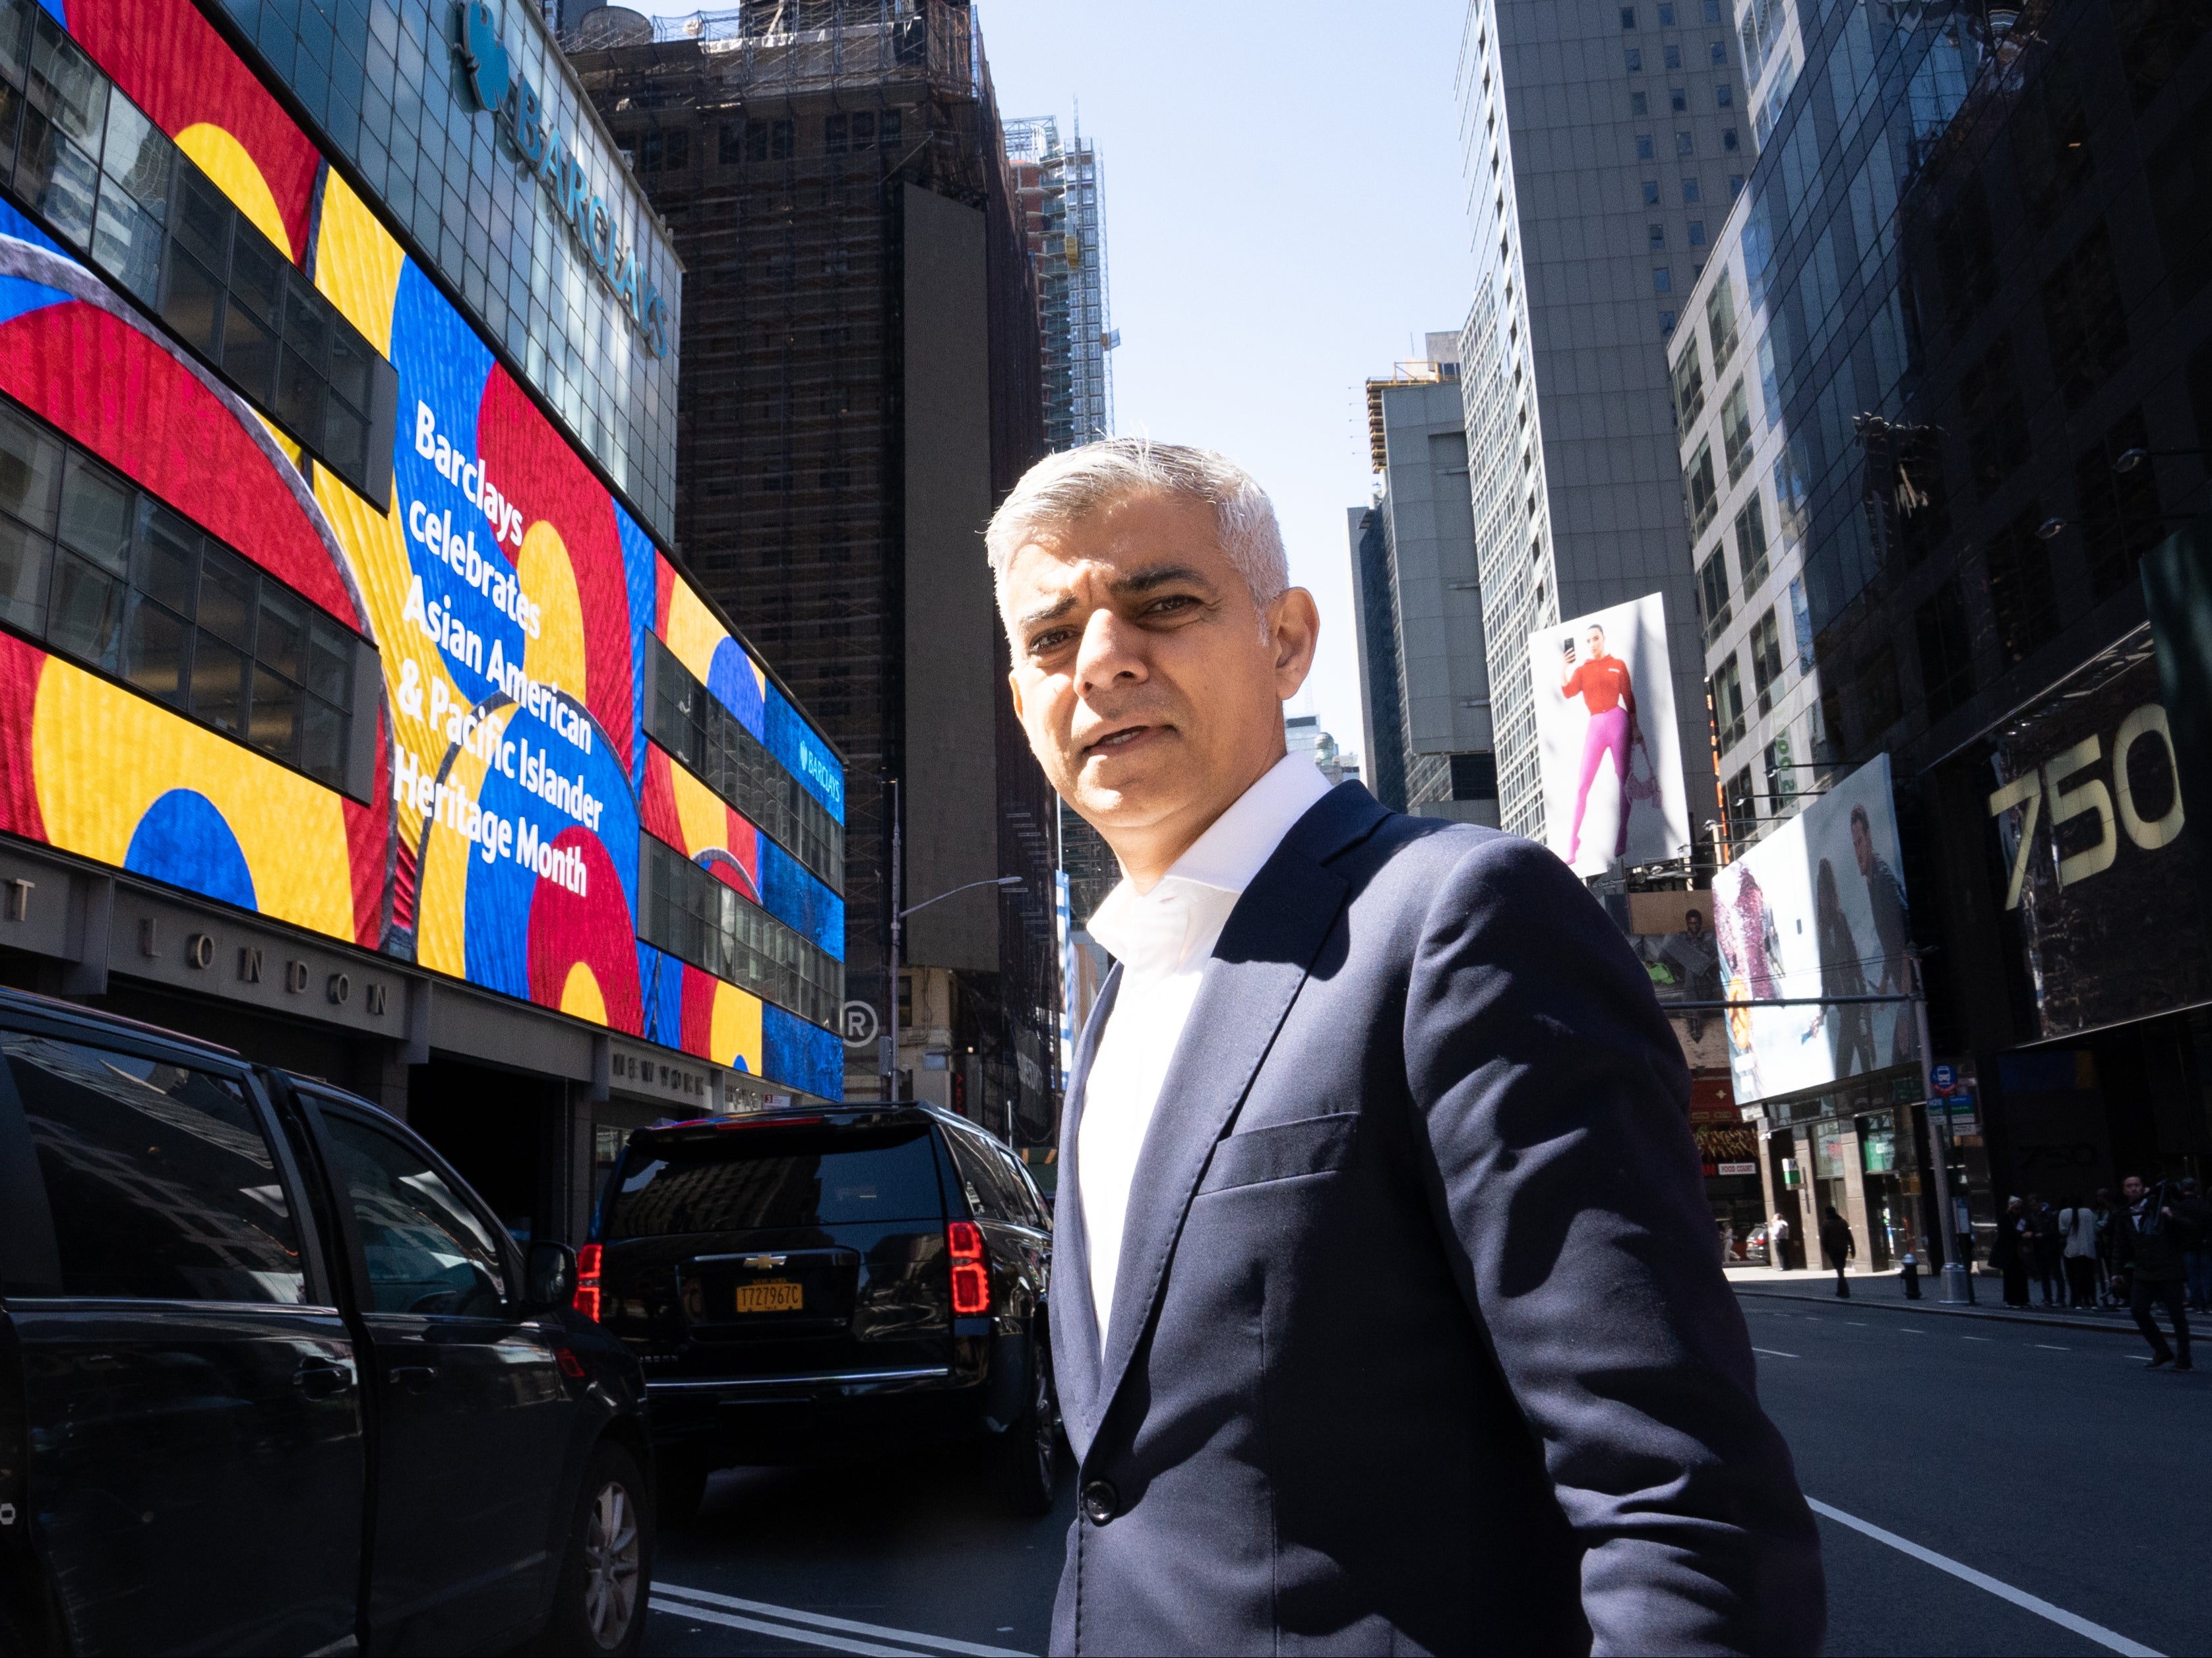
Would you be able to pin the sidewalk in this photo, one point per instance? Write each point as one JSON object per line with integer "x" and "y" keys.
{"x": 1885, "y": 1291}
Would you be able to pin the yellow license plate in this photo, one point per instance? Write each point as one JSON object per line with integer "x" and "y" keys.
{"x": 774, "y": 1296}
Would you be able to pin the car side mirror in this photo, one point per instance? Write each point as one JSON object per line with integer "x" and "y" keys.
{"x": 549, "y": 1279}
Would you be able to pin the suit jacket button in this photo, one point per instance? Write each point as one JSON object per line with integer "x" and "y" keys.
{"x": 1101, "y": 1502}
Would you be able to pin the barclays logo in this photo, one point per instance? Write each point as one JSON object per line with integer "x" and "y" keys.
{"x": 520, "y": 114}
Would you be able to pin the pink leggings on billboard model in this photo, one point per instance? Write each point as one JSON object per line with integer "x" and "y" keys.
{"x": 1608, "y": 732}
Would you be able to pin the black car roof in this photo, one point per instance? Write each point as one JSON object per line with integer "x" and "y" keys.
{"x": 835, "y": 1118}
{"x": 33, "y": 1004}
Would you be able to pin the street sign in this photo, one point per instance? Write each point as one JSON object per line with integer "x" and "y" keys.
{"x": 860, "y": 1023}
{"x": 1944, "y": 1077}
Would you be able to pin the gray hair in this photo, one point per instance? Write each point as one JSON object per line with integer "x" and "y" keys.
{"x": 1064, "y": 489}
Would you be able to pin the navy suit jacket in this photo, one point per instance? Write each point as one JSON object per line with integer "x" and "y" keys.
{"x": 1419, "y": 1339}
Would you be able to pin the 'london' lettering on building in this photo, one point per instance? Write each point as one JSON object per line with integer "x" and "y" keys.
{"x": 520, "y": 114}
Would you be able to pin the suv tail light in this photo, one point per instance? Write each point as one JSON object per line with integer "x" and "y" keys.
{"x": 587, "y": 1282}
{"x": 971, "y": 1271}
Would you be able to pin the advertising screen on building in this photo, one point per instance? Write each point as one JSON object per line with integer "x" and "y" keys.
{"x": 2090, "y": 858}
{"x": 426, "y": 701}
{"x": 1817, "y": 910}
{"x": 1608, "y": 749}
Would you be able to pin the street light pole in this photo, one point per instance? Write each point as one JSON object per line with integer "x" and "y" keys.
{"x": 898, "y": 862}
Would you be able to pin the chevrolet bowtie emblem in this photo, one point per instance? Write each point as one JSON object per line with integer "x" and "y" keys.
{"x": 762, "y": 1263}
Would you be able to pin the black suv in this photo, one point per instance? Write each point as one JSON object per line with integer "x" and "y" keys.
{"x": 802, "y": 1284}
{"x": 273, "y": 1379}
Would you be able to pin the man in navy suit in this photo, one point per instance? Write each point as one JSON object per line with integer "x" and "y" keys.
{"x": 1386, "y": 1317}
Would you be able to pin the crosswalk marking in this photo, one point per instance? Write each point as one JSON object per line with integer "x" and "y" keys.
{"x": 696, "y": 1601}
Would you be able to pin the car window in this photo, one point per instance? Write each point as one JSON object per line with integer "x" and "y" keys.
{"x": 754, "y": 1176}
{"x": 986, "y": 1182}
{"x": 425, "y": 1249}
{"x": 160, "y": 1181}
{"x": 1019, "y": 1193}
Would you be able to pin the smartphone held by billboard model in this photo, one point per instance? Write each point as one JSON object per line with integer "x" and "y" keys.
{"x": 1608, "y": 752}
{"x": 1816, "y": 913}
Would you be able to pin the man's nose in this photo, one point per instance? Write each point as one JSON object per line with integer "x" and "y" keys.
{"x": 1111, "y": 653}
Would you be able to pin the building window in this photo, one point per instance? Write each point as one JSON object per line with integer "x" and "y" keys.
{"x": 1678, "y": 100}
{"x": 1671, "y": 56}
{"x": 1781, "y": 775}
{"x": 1650, "y": 192}
{"x": 1689, "y": 192}
{"x": 1947, "y": 662}
{"x": 1658, "y": 232}
{"x": 1723, "y": 96}
{"x": 1765, "y": 658}
{"x": 757, "y": 141}
{"x": 1727, "y": 690}
{"x": 835, "y": 134}
{"x": 2020, "y": 589}
{"x": 1995, "y": 418}
{"x": 783, "y": 140}
{"x": 1713, "y": 593}
{"x": 1639, "y": 103}
{"x": 729, "y": 144}
{"x": 1635, "y": 58}
{"x": 1742, "y": 806}
{"x": 108, "y": 574}
{"x": 1475, "y": 776}
{"x": 1689, "y": 384}
{"x": 1735, "y": 185}
{"x": 1644, "y": 150}
{"x": 2119, "y": 511}
{"x": 1662, "y": 280}
{"x": 1666, "y": 324}
{"x": 685, "y": 911}
{"x": 1735, "y": 429}
{"x": 1719, "y": 50}
{"x": 1696, "y": 232}
{"x": 1720, "y": 322}
{"x": 1685, "y": 144}
{"x": 1702, "y": 498}
{"x": 2085, "y": 318}
{"x": 1730, "y": 141}
{"x": 1712, "y": 11}
{"x": 1628, "y": 17}
{"x": 1751, "y": 544}
{"x": 1667, "y": 15}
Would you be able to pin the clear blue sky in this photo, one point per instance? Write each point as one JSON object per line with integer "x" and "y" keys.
{"x": 1284, "y": 209}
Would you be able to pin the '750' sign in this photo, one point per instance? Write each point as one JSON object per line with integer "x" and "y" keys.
{"x": 2084, "y": 779}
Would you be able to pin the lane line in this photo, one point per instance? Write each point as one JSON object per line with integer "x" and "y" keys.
{"x": 760, "y": 1626}
{"x": 1771, "y": 1352}
{"x": 822, "y": 1620}
{"x": 2109, "y": 1639}
{"x": 2048, "y": 1348}
{"x": 1858, "y": 1324}
{"x": 1978, "y": 1338}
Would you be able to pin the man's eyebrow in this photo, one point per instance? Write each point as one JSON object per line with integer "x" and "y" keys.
{"x": 1160, "y": 575}
{"x": 1058, "y": 608}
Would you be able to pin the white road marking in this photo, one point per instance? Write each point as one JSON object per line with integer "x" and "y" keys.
{"x": 2048, "y": 1348}
{"x": 1910, "y": 1331}
{"x": 1978, "y": 1338}
{"x": 1858, "y": 1324}
{"x": 1773, "y": 1353}
{"x": 821, "y": 1620}
{"x": 2109, "y": 1639}
{"x": 760, "y": 1626}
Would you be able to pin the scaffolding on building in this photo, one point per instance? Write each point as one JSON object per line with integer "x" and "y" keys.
{"x": 1058, "y": 191}
{"x": 776, "y": 139}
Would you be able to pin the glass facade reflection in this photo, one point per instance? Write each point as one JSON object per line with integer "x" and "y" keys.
{"x": 382, "y": 81}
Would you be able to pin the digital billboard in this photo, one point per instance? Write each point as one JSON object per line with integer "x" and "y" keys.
{"x": 1816, "y": 914}
{"x": 503, "y": 784}
{"x": 1608, "y": 753}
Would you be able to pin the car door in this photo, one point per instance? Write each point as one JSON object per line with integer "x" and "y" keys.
{"x": 473, "y": 1418}
{"x": 199, "y": 1466}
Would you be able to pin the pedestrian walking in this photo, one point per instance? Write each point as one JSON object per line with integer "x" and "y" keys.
{"x": 2045, "y": 1253}
{"x": 2015, "y": 1247}
{"x": 1547, "y": 1474}
{"x": 1777, "y": 1243}
{"x": 2149, "y": 1255}
{"x": 1837, "y": 1244}
{"x": 2077, "y": 1233}
{"x": 2194, "y": 1214}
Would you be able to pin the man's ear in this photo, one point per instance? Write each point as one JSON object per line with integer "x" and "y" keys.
{"x": 1014, "y": 684}
{"x": 1294, "y": 629}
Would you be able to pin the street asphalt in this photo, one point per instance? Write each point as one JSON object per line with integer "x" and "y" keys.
{"x": 2045, "y": 1465}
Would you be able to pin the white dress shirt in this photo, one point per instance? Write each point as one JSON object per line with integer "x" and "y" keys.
{"x": 1163, "y": 939}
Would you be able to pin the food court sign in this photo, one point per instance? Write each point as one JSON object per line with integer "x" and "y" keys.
{"x": 520, "y": 114}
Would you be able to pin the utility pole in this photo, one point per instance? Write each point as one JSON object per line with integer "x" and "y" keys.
{"x": 1958, "y": 1281}
{"x": 890, "y": 1064}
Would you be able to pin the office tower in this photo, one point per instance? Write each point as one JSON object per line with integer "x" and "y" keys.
{"x": 1945, "y": 389}
{"x": 860, "y": 385}
{"x": 1418, "y": 600}
{"x": 1057, "y": 202}
{"x": 1602, "y": 143}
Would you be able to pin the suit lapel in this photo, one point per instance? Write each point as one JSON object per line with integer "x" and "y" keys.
{"x": 1074, "y": 1320}
{"x": 1265, "y": 952}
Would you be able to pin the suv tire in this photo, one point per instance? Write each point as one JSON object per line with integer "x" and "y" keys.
{"x": 606, "y": 1571}
{"x": 1025, "y": 1458}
